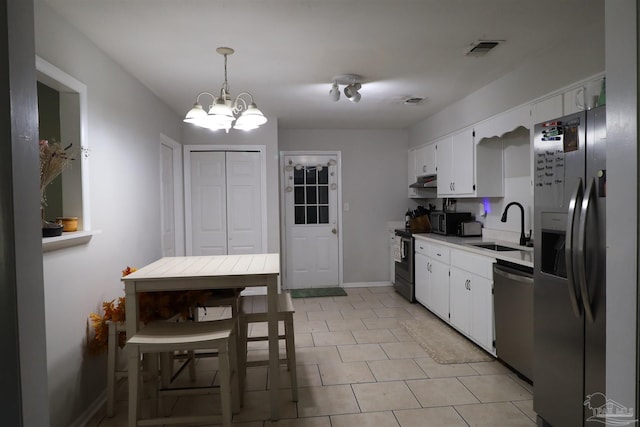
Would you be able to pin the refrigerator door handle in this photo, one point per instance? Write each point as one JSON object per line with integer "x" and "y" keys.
{"x": 576, "y": 200}
{"x": 582, "y": 252}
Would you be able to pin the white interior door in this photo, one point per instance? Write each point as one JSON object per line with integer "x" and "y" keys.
{"x": 244, "y": 203}
{"x": 311, "y": 221}
{"x": 167, "y": 217}
{"x": 208, "y": 192}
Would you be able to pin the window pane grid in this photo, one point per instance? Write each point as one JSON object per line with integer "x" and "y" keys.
{"x": 311, "y": 196}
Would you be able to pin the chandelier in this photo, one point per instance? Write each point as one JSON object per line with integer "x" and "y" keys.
{"x": 353, "y": 85}
{"x": 223, "y": 112}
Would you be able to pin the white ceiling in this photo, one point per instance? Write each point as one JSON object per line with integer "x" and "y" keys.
{"x": 288, "y": 51}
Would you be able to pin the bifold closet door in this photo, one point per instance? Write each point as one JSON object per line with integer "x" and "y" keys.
{"x": 226, "y": 200}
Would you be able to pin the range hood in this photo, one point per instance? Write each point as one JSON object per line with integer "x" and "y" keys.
{"x": 427, "y": 181}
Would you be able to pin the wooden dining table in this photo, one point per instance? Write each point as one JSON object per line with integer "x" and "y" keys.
{"x": 208, "y": 273}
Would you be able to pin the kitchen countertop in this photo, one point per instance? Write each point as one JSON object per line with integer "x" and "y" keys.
{"x": 520, "y": 255}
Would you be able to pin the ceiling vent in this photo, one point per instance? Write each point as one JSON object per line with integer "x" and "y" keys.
{"x": 482, "y": 47}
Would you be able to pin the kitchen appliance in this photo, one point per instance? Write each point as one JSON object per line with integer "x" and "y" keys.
{"x": 569, "y": 266}
{"x": 404, "y": 283}
{"x": 426, "y": 181}
{"x": 470, "y": 229}
{"x": 443, "y": 222}
{"x": 513, "y": 308}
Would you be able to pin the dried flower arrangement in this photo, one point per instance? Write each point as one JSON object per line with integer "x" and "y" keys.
{"x": 153, "y": 306}
{"x": 54, "y": 159}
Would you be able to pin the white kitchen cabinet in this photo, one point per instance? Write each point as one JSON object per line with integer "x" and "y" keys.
{"x": 471, "y": 298}
{"x": 411, "y": 167}
{"x": 426, "y": 160}
{"x": 455, "y": 159}
{"x": 432, "y": 277}
{"x": 421, "y": 279}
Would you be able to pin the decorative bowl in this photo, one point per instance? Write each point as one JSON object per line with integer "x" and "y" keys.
{"x": 70, "y": 223}
{"x": 51, "y": 229}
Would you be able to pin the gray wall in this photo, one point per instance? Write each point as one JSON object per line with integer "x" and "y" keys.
{"x": 374, "y": 183}
{"x": 125, "y": 122}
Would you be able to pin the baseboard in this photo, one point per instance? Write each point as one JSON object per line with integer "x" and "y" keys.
{"x": 366, "y": 284}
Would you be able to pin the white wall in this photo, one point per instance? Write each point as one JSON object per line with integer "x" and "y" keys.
{"x": 266, "y": 135}
{"x": 374, "y": 183}
{"x": 125, "y": 122}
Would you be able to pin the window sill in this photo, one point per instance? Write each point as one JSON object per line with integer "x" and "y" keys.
{"x": 72, "y": 238}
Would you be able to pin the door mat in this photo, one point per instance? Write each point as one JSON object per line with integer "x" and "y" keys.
{"x": 444, "y": 344}
{"x": 335, "y": 291}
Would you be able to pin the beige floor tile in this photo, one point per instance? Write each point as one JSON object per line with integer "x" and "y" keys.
{"x": 316, "y": 355}
{"x": 438, "y": 370}
{"x": 327, "y": 400}
{"x": 300, "y": 422}
{"x": 444, "y": 416}
{"x": 324, "y": 315}
{"x": 303, "y": 339}
{"x": 384, "y": 396}
{"x": 374, "y": 336}
{"x": 401, "y": 334}
{"x": 488, "y": 368}
{"x": 403, "y": 350}
{"x": 304, "y": 307}
{"x": 371, "y": 419}
{"x": 396, "y": 312}
{"x": 526, "y": 406}
{"x": 345, "y": 373}
{"x": 369, "y": 303}
{"x": 336, "y": 325}
{"x": 525, "y": 384}
{"x": 361, "y": 352}
{"x": 400, "y": 369}
{"x": 310, "y": 326}
{"x": 494, "y": 414}
{"x": 256, "y": 379}
{"x": 384, "y": 323}
{"x": 441, "y": 392}
{"x": 337, "y": 305}
{"x": 366, "y": 313}
{"x": 495, "y": 388}
{"x": 257, "y": 406}
{"x": 333, "y": 338}
{"x": 308, "y": 375}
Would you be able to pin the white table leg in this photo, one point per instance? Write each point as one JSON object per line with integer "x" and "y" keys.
{"x": 274, "y": 351}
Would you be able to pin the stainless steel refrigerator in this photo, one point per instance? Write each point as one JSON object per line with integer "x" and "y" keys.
{"x": 569, "y": 266}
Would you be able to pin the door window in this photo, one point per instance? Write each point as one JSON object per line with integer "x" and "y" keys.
{"x": 311, "y": 195}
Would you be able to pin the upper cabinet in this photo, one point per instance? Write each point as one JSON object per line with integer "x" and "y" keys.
{"x": 468, "y": 167}
{"x": 426, "y": 160}
{"x": 456, "y": 165}
{"x": 421, "y": 162}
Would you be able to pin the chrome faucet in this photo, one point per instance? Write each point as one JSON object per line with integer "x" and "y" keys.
{"x": 523, "y": 239}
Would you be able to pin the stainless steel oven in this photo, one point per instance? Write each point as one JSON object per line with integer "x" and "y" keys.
{"x": 404, "y": 266}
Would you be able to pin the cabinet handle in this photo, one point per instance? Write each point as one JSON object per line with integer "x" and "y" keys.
{"x": 454, "y": 186}
{"x": 424, "y": 168}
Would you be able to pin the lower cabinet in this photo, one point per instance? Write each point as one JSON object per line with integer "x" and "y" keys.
{"x": 457, "y": 286}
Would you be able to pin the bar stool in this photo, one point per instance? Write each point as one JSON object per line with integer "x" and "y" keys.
{"x": 164, "y": 337}
{"x": 113, "y": 374}
{"x": 253, "y": 309}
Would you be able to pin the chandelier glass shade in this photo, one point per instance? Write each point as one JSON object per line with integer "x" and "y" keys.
{"x": 223, "y": 111}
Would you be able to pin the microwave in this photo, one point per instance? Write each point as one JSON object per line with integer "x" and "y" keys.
{"x": 447, "y": 222}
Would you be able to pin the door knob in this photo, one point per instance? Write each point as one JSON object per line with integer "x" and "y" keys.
{"x": 334, "y": 231}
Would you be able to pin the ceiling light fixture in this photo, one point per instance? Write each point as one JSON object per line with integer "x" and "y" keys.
{"x": 353, "y": 85}
{"x": 222, "y": 111}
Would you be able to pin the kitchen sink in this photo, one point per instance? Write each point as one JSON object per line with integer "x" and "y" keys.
{"x": 493, "y": 247}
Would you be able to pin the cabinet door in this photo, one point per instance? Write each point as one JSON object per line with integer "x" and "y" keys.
{"x": 444, "y": 160}
{"x": 460, "y": 304}
{"x": 411, "y": 166}
{"x": 462, "y": 154}
{"x": 421, "y": 279}
{"x": 439, "y": 287}
{"x": 430, "y": 165}
{"x": 481, "y": 327}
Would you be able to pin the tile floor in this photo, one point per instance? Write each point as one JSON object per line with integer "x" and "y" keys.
{"x": 358, "y": 367}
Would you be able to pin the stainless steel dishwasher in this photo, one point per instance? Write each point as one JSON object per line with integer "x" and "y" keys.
{"x": 513, "y": 305}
